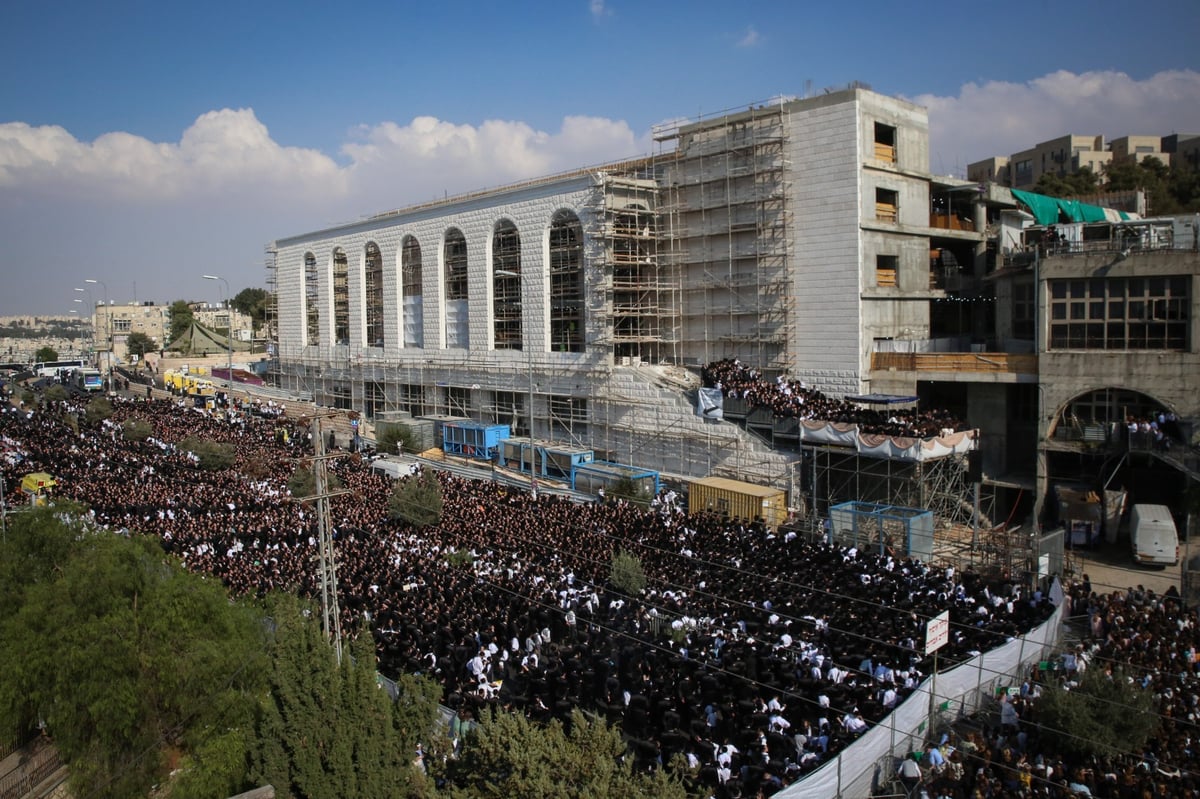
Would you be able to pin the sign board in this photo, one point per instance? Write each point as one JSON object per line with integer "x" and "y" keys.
{"x": 937, "y": 632}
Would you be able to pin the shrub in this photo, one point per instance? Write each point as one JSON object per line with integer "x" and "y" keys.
{"x": 1105, "y": 715}
{"x": 212, "y": 455}
{"x": 460, "y": 559}
{"x": 97, "y": 411}
{"x": 137, "y": 429}
{"x": 629, "y": 491}
{"x": 390, "y": 438}
{"x": 627, "y": 574}
{"x": 303, "y": 483}
{"x": 55, "y": 393}
{"x": 417, "y": 500}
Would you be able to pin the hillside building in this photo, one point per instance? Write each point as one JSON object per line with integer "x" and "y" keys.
{"x": 793, "y": 235}
{"x": 806, "y": 238}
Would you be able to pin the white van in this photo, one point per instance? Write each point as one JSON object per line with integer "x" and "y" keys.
{"x": 1152, "y": 535}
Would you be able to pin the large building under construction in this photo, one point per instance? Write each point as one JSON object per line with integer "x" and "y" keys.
{"x": 793, "y": 235}
{"x": 804, "y": 237}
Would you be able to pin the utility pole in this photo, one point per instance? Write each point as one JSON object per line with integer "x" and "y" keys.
{"x": 331, "y": 618}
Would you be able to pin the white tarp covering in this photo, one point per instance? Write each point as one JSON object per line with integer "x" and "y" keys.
{"x": 967, "y": 686}
{"x": 710, "y": 403}
{"x": 832, "y": 433}
{"x": 414, "y": 322}
{"x": 891, "y": 447}
{"x": 458, "y": 330}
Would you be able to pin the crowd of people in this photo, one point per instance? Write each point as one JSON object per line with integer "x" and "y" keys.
{"x": 754, "y": 654}
{"x": 1135, "y": 635}
{"x": 792, "y": 399}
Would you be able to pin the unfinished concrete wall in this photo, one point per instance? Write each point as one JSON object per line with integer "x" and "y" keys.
{"x": 642, "y": 422}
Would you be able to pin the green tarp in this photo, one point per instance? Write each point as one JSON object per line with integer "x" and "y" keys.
{"x": 1047, "y": 210}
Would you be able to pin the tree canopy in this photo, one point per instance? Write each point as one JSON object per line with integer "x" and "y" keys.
{"x": 1085, "y": 181}
{"x": 123, "y": 655}
{"x": 181, "y": 318}
{"x": 328, "y": 729}
{"x": 253, "y": 302}
{"x": 46, "y": 354}
{"x": 508, "y": 755}
{"x": 1106, "y": 714}
{"x": 139, "y": 344}
{"x": 1169, "y": 190}
{"x": 417, "y": 499}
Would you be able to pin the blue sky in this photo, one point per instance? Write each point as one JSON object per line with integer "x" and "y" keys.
{"x": 148, "y": 143}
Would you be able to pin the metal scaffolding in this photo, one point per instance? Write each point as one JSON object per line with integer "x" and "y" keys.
{"x": 963, "y": 511}
{"x": 726, "y": 226}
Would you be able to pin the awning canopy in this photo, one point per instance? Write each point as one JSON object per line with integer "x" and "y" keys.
{"x": 1052, "y": 210}
{"x": 882, "y": 399}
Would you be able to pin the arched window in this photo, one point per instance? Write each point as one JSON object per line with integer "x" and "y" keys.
{"x": 566, "y": 283}
{"x": 506, "y": 285}
{"x": 454, "y": 260}
{"x": 410, "y": 288}
{"x": 312, "y": 307}
{"x": 341, "y": 297}
{"x": 373, "y": 283}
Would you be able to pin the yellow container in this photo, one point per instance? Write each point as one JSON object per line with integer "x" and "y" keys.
{"x": 736, "y": 499}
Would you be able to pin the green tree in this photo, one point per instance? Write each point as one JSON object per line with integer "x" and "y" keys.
{"x": 180, "y": 314}
{"x": 392, "y": 439}
{"x": 211, "y": 455}
{"x": 508, "y": 755}
{"x": 1149, "y": 174}
{"x": 124, "y": 655}
{"x": 626, "y": 573}
{"x": 46, "y": 354}
{"x": 329, "y": 730}
{"x": 1106, "y": 714}
{"x": 253, "y": 302}
{"x": 1184, "y": 187}
{"x": 55, "y": 393}
{"x": 303, "y": 483}
{"x": 135, "y": 429}
{"x": 139, "y": 344}
{"x": 1075, "y": 184}
{"x": 629, "y": 490}
{"x": 98, "y": 409}
{"x": 417, "y": 499}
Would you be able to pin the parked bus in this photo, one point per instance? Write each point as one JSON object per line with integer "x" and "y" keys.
{"x": 56, "y": 368}
{"x": 87, "y": 379}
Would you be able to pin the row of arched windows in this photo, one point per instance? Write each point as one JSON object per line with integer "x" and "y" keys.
{"x": 565, "y": 265}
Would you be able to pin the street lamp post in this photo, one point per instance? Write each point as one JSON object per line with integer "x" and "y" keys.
{"x": 108, "y": 328}
{"x": 228, "y": 300}
{"x": 91, "y": 316}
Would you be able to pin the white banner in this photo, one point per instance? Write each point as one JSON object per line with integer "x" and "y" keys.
{"x": 710, "y": 403}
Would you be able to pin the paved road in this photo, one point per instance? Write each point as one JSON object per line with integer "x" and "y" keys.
{"x": 1111, "y": 568}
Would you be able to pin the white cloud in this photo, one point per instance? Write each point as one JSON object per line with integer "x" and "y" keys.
{"x": 751, "y": 38}
{"x": 599, "y": 9}
{"x": 154, "y": 213}
{"x": 432, "y": 157}
{"x": 150, "y": 214}
{"x": 222, "y": 151}
{"x": 1000, "y": 118}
